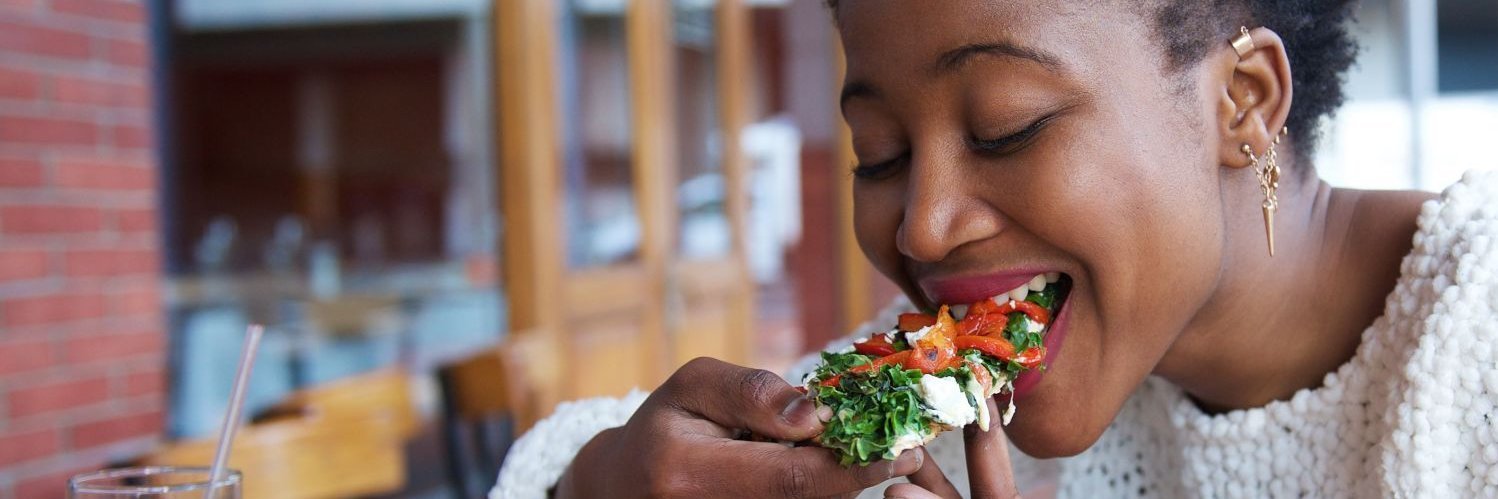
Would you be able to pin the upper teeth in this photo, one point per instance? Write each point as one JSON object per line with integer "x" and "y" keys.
{"x": 1036, "y": 283}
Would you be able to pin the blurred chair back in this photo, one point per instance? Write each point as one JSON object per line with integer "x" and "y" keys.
{"x": 383, "y": 393}
{"x": 342, "y": 439}
{"x": 305, "y": 458}
{"x": 490, "y": 399}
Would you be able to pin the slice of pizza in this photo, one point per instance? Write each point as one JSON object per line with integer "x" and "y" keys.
{"x": 898, "y": 389}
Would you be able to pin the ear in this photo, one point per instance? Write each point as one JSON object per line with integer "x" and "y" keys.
{"x": 1255, "y": 98}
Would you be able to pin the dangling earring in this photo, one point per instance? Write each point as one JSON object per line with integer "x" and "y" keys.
{"x": 1267, "y": 168}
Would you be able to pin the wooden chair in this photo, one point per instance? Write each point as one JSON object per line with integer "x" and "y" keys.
{"x": 305, "y": 458}
{"x": 386, "y": 392}
{"x": 343, "y": 439}
{"x": 490, "y": 399}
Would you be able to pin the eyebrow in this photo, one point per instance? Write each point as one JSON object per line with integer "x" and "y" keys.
{"x": 954, "y": 59}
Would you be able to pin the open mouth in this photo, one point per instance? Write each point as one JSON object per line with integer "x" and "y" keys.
{"x": 1023, "y": 316}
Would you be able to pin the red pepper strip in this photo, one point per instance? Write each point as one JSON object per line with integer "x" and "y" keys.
{"x": 914, "y": 322}
{"x": 1031, "y": 357}
{"x": 1037, "y": 313}
{"x": 897, "y": 358}
{"x": 935, "y": 351}
{"x": 877, "y": 345}
{"x": 983, "y": 307}
{"x": 982, "y": 325}
{"x": 992, "y": 346}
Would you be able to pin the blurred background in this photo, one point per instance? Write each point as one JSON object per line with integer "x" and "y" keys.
{"x": 453, "y": 214}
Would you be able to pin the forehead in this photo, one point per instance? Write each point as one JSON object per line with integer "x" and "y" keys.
{"x": 910, "y": 37}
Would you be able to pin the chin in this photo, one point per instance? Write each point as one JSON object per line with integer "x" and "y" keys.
{"x": 1048, "y": 432}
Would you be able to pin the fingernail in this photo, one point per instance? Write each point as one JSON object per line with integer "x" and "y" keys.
{"x": 908, "y": 462}
{"x": 798, "y": 411}
{"x": 824, "y": 414}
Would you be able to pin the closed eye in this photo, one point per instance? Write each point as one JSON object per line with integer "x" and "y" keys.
{"x": 880, "y": 170}
{"x": 1011, "y": 143}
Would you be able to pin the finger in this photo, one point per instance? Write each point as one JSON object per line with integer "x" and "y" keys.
{"x": 772, "y": 470}
{"x": 989, "y": 472}
{"x": 931, "y": 478}
{"x": 908, "y": 491}
{"x": 740, "y": 397}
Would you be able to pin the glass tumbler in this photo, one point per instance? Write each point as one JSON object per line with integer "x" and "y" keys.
{"x": 153, "y": 482}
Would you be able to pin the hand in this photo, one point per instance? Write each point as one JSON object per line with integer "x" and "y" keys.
{"x": 989, "y": 473}
{"x": 680, "y": 443}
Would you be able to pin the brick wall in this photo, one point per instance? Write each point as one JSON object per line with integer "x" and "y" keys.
{"x": 81, "y": 327}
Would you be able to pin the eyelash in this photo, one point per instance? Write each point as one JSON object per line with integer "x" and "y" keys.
{"x": 998, "y": 147}
{"x": 1009, "y": 143}
{"x": 880, "y": 170}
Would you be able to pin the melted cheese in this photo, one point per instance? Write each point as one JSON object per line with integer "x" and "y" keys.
{"x": 946, "y": 402}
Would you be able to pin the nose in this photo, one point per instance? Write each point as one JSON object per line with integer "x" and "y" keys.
{"x": 943, "y": 211}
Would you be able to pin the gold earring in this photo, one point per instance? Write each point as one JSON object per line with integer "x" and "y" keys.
{"x": 1243, "y": 43}
{"x": 1267, "y": 168}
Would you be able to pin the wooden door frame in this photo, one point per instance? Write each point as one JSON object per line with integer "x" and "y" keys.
{"x": 542, "y": 291}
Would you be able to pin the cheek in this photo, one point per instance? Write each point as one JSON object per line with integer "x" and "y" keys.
{"x": 877, "y": 211}
{"x": 1138, "y": 209}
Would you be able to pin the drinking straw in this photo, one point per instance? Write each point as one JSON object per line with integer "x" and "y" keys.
{"x": 236, "y": 405}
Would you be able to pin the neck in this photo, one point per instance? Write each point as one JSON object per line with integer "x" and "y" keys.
{"x": 1277, "y": 325}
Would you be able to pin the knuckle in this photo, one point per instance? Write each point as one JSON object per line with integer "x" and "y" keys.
{"x": 869, "y": 476}
{"x": 695, "y": 369}
{"x": 795, "y": 482}
{"x": 760, "y": 386}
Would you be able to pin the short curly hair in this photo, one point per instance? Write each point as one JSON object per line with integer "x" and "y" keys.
{"x": 1316, "y": 34}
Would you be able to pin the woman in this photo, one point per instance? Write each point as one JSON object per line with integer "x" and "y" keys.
{"x": 1235, "y": 326}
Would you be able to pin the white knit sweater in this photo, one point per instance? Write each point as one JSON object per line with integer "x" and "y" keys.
{"x": 1411, "y": 415}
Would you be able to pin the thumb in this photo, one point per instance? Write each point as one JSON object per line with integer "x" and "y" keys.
{"x": 930, "y": 478}
{"x": 989, "y": 472}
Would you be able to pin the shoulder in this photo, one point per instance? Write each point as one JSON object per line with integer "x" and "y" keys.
{"x": 1456, "y": 232}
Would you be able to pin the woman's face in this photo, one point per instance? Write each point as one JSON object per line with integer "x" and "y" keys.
{"x": 1001, "y": 139}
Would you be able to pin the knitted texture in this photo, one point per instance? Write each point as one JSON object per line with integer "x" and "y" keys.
{"x": 1412, "y": 414}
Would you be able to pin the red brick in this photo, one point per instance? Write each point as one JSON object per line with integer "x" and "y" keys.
{"x": 126, "y": 53}
{"x": 135, "y": 220}
{"x": 18, "y": 4}
{"x": 45, "y": 398}
{"x": 21, "y": 173}
{"x": 24, "y": 354}
{"x": 104, "y": 174}
{"x": 43, "y": 219}
{"x": 50, "y": 309}
{"x": 21, "y": 264}
{"x": 150, "y": 381}
{"x": 90, "y": 91}
{"x": 37, "y": 40}
{"x": 19, "y": 447}
{"x": 113, "y": 346}
{"x": 19, "y": 84}
{"x": 47, "y": 131}
{"x": 116, "y": 429}
{"x": 137, "y": 300}
{"x": 114, "y": 10}
{"x": 131, "y": 137}
{"x": 110, "y": 262}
